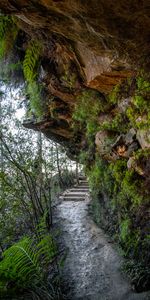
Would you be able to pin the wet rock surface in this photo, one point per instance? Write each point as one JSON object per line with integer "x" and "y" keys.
{"x": 92, "y": 267}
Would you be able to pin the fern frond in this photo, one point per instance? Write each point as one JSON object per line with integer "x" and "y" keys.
{"x": 23, "y": 260}
{"x": 25, "y": 263}
{"x": 46, "y": 249}
{"x": 30, "y": 67}
{"x": 31, "y": 60}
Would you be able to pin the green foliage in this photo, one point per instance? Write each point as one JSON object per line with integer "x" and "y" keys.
{"x": 118, "y": 169}
{"x": 142, "y": 153}
{"x": 126, "y": 186}
{"x": 142, "y": 84}
{"x": 138, "y": 273}
{"x": 121, "y": 212}
{"x": 91, "y": 128}
{"x": 30, "y": 68}
{"x": 88, "y": 107}
{"x": 113, "y": 96}
{"x": 100, "y": 177}
{"x": 8, "y": 33}
{"x": 139, "y": 113}
{"x": 24, "y": 264}
{"x": 125, "y": 229}
{"x": 36, "y": 105}
{"x": 83, "y": 157}
{"x": 118, "y": 124}
{"x": 31, "y": 61}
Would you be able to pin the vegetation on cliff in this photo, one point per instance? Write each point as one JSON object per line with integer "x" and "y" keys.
{"x": 118, "y": 174}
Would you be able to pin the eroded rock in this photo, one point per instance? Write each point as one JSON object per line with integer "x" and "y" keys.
{"x": 104, "y": 141}
{"x": 103, "y": 71}
{"x": 143, "y": 137}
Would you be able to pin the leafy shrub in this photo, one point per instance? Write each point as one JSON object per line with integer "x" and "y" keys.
{"x": 139, "y": 274}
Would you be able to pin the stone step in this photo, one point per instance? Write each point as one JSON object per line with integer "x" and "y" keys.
{"x": 73, "y": 198}
{"x": 75, "y": 194}
{"x": 79, "y": 190}
{"x": 80, "y": 187}
{"x": 83, "y": 186}
{"x": 82, "y": 180}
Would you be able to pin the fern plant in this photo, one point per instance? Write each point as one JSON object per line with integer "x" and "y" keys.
{"x": 30, "y": 68}
{"x": 23, "y": 264}
{"x": 31, "y": 60}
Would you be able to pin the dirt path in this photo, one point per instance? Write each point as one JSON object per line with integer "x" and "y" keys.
{"x": 92, "y": 267}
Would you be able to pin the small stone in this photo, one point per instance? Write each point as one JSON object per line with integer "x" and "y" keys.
{"x": 133, "y": 147}
{"x": 143, "y": 137}
{"x": 129, "y": 137}
{"x": 123, "y": 105}
{"x": 131, "y": 163}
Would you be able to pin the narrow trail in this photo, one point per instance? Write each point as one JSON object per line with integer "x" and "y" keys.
{"x": 92, "y": 267}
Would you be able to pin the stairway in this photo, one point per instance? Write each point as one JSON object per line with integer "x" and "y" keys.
{"x": 78, "y": 193}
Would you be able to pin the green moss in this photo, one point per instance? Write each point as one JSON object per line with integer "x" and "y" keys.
{"x": 91, "y": 128}
{"x": 139, "y": 112}
{"x": 114, "y": 95}
{"x": 118, "y": 124}
{"x": 142, "y": 84}
{"x": 142, "y": 153}
{"x": 89, "y": 105}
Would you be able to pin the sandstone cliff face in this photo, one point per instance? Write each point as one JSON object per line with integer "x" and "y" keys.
{"x": 95, "y": 46}
{"x": 103, "y": 26}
